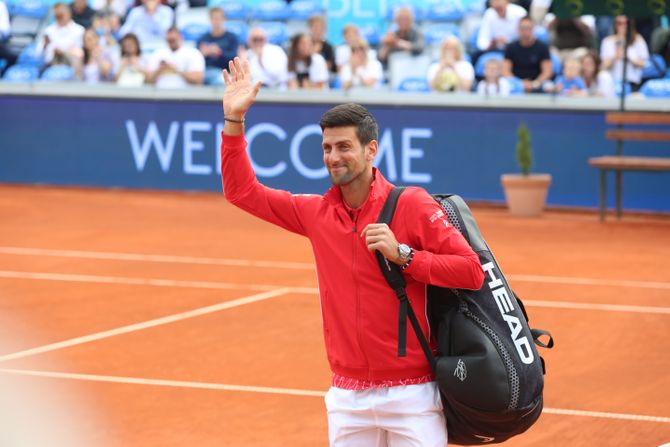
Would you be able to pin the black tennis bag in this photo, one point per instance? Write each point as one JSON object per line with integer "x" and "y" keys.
{"x": 487, "y": 369}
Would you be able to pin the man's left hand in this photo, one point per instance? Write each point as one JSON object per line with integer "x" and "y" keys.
{"x": 380, "y": 237}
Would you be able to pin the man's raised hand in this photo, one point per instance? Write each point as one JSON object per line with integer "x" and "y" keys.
{"x": 239, "y": 94}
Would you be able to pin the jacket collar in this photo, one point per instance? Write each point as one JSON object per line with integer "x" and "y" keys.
{"x": 379, "y": 189}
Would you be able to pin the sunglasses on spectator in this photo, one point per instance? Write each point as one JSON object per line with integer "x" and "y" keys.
{"x": 354, "y": 49}
{"x": 621, "y": 22}
{"x": 258, "y": 39}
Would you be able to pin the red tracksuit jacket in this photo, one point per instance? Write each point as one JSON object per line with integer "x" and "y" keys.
{"x": 359, "y": 309}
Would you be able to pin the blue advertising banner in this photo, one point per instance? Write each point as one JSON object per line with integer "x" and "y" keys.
{"x": 170, "y": 144}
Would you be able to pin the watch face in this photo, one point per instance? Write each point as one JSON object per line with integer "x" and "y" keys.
{"x": 404, "y": 251}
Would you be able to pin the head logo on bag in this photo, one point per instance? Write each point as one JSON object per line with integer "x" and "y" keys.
{"x": 490, "y": 375}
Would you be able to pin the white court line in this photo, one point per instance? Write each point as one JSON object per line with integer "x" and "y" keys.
{"x": 141, "y": 257}
{"x": 290, "y": 289}
{"x": 589, "y": 281}
{"x": 146, "y": 324}
{"x": 597, "y": 306}
{"x": 155, "y": 282}
{"x": 286, "y": 391}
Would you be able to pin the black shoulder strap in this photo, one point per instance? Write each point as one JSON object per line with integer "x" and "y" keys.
{"x": 395, "y": 279}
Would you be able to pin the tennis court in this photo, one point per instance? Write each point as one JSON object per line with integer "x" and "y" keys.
{"x": 173, "y": 319}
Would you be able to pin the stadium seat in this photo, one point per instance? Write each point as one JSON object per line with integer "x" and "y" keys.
{"x": 21, "y": 73}
{"x": 656, "y": 88}
{"x": 654, "y": 68}
{"x": 446, "y": 11}
{"x": 516, "y": 86}
{"x": 541, "y": 33}
{"x": 474, "y": 7}
{"x": 194, "y": 31}
{"x": 436, "y": 33}
{"x": 27, "y": 16}
{"x": 58, "y": 73}
{"x": 370, "y": 32}
{"x": 472, "y": 40}
{"x": 234, "y": 10}
{"x": 402, "y": 65}
{"x": 3, "y": 64}
{"x": 272, "y": 10}
{"x": 239, "y": 28}
{"x": 276, "y": 31}
{"x": 617, "y": 88}
{"x": 556, "y": 64}
{"x": 414, "y": 84}
{"x": 303, "y": 9}
{"x": 30, "y": 55}
{"x": 213, "y": 76}
{"x": 481, "y": 62}
{"x": 193, "y": 15}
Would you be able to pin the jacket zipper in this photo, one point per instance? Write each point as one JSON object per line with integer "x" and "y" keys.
{"x": 359, "y": 331}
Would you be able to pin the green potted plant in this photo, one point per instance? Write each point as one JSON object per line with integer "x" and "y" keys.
{"x": 525, "y": 193}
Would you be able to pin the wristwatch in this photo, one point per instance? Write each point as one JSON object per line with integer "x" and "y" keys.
{"x": 406, "y": 254}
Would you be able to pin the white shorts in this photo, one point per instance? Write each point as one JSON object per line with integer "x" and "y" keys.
{"x": 400, "y": 416}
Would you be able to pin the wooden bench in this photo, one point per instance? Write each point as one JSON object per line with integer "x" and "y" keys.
{"x": 619, "y": 162}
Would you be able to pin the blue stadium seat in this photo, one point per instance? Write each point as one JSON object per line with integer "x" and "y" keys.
{"x": 445, "y": 11}
{"x": 276, "y": 31}
{"x": 419, "y": 85}
{"x": 58, "y": 73}
{"x": 194, "y": 31}
{"x": 516, "y": 86}
{"x": 30, "y": 8}
{"x": 617, "y": 88}
{"x": 472, "y": 40}
{"x": 541, "y": 33}
{"x": 3, "y": 64}
{"x": 272, "y": 10}
{"x": 234, "y": 10}
{"x": 239, "y": 28}
{"x": 370, "y": 32}
{"x": 303, "y": 9}
{"x": 556, "y": 64}
{"x": 481, "y": 62}
{"x": 656, "y": 88}
{"x": 436, "y": 33}
{"x": 21, "y": 73}
{"x": 30, "y": 55}
{"x": 476, "y": 7}
{"x": 654, "y": 68}
{"x": 213, "y": 76}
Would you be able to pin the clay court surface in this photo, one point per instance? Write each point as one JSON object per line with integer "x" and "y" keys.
{"x": 174, "y": 319}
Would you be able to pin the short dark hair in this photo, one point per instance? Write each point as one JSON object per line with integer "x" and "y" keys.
{"x": 351, "y": 114}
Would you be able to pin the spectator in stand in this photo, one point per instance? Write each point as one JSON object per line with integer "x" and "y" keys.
{"x": 406, "y": 37}
{"x": 493, "y": 84}
{"x": 5, "y": 30}
{"x": 268, "y": 62}
{"x": 218, "y": 46}
{"x": 598, "y": 82}
{"x": 573, "y": 37}
{"x": 612, "y": 53}
{"x": 131, "y": 70}
{"x": 361, "y": 70}
{"x": 116, "y": 7}
{"x": 63, "y": 38}
{"x": 570, "y": 83}
{"x": 94, "y": 62}
{"x": 317, "y": 31}
{"x": 106, "y": 25}
{"x": 82, "y": 13}
{"x": 176, "y": 66}
{"x": 528, "y": 59}
{"x": 499, "y": 25}
{"x": 306, "y": 68}
{"x": 451, "y": 72}
{"x": 148, "y": 22}
{"x": 351, "y": 36}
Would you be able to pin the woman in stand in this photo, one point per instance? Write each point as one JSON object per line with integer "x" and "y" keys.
{"x": 451, "y": 72}
{"x": 360, "y": 70}
{"x": 598, "y": 82}
{"x": 612, "y": 53}
{"x": 132, "y": 69}
{"x": 307, "y": 69}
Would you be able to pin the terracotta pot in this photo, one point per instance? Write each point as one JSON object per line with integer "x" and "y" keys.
{"x": 526, "y": 195}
